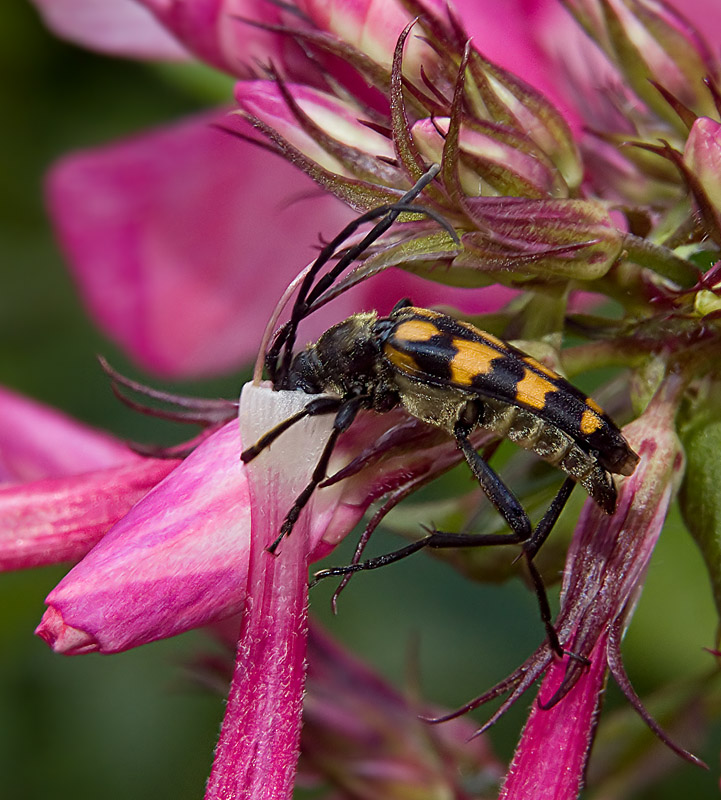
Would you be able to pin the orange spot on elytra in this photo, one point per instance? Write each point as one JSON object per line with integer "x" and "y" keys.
{"x": 590, "y": 421}
{"x": 415, "y": 330}
{"x": 472, "y": 359}
{"x": 532, "y": 389}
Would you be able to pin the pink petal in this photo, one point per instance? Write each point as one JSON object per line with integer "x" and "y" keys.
{"x": 160, "y": 223}
{"x": 119, "y": 27}
{"x": 341, "y": 120}
{"x": 178, "y": 560}
{"x": 373, "y": 27}
{"x": 39, "y": 442}
{"x": 512, "y": 34}
{"x": 163, "y": 222}
{"x": 551, "y": 758}
{"x": 61, "y": 519}
{"x": 212, "y": 30}
{"x": 259, "y": 742}
{"x": 604, "y": 571}
{"x": 386, "y": 289}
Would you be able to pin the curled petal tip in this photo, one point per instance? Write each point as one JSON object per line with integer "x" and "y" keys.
{"x": 64, "y": 638}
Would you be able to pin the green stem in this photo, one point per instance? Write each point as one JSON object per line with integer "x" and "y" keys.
{"x": 625, "y": 284}
{"x": 661, "y": 260}
{"x": 543, "y": 315}
{"x": 596, "y": 355}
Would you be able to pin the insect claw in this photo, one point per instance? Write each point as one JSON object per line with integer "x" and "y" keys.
{"x": 273, "y": 547}
{"x": 318, "y": 577}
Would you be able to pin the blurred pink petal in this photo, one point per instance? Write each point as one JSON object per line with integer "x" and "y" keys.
{"x": 39, "y": 442}
{"x": 372, "y": 26}
{"x": 177, "y": 560}
{"x": 118, "y": 27}
{"x": 515, "y": 33}
{"x": 161, "y": 223}
{"x": 213, "y": 31}
{"x": 65, "y": 484}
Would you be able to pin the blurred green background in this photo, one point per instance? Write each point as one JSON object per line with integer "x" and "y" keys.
{"x": 132, "y": 725}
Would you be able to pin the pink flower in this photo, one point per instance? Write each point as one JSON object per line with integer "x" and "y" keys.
{"x": 156, "y": 228}
{"x": 160, "y": 220}
{"x": 360, "y": 731}
{"x": 186, "y": 555}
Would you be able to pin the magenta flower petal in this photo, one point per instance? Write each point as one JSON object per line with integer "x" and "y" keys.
{"x": 373, "y": 28}
{"x": 523, "y": 36}
{"x": 160, "y": 223}
{"x": 212, "y": 30}
{"x": 120, "y": 27}
{"x": 551, "y": 759}
{"x": 65, "y": 484}
{"x": 61, "y": 519}
{"x": 259, "y": 742}
{"x": 39, "y": 442}
{"x": 179, "y": 559}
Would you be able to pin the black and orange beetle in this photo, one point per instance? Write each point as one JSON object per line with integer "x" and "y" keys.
{"x": 454, "y": 376}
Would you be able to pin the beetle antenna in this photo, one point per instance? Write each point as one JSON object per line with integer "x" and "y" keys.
{"x": 309, "y": 294}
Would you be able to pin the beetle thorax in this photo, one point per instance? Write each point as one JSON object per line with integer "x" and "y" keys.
{"x": 346, "y": 360}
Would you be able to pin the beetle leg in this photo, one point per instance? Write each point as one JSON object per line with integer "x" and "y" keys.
{"x": 505, "y": 502}
{"x": 545, "y": 526}
{"x": 510, "y": 509}
{"x": 321, "y": 405}
{"x": 346, "y": 413}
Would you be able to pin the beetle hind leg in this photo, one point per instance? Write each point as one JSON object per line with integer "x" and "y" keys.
{"x": 511, "y": 510}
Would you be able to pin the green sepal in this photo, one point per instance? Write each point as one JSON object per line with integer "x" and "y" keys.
{"x": 624, "y": 746}
{"x": 699, "y": 498}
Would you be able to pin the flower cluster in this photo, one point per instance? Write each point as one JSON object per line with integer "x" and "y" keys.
{"x": 593, "y": 175}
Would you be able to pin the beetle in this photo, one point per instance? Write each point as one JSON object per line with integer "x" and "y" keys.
{"x": 451, "y": 375}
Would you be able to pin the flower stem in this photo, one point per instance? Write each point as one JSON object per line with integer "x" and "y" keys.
{"x": 661, "y": 260}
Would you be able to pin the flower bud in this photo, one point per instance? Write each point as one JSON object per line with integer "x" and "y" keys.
{"x": 702, "y": 159}
{"x": 493, "y": 155}
{"x": 651, "y": 43}
{"x": 519, "y": 237}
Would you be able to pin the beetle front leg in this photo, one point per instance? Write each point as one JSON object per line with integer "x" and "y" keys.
{"x": 315, "y": 408}
{"x": 346, "y": 413}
